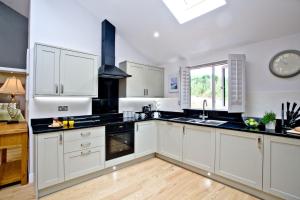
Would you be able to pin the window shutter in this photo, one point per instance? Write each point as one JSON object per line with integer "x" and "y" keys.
{"x": 185, "y": 90}
{"x": 236, "y": 83}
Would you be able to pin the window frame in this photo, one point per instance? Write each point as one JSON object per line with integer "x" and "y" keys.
{"x": 213, "y": 65}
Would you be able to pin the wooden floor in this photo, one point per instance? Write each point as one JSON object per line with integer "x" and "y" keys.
{"x": 151, "y": 179}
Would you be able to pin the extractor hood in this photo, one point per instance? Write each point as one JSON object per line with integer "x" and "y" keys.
{"x": 108, "y": 68}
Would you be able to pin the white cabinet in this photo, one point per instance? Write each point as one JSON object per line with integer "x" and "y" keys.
{"x": 50, "y": 168}
{"x": 84, "y": 151}
{"x": 282, "y": 167}
{"x": 145, "y": 138}
{"x": 78, "y": 74}
{"x": 239, "y": 156}
{"x": 199, "y": 147}
{"x": 83, "y": 162}
{"x": 170, "y": 140}
{"x": 47, "y": 71}
{"x": 60, "y": 72}
{"x": 145, "y": 81}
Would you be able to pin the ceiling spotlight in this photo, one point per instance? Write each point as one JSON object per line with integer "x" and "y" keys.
{"x": 156, "y": 34}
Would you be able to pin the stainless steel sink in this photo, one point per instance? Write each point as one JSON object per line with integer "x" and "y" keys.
{"x": 200, "y": 121}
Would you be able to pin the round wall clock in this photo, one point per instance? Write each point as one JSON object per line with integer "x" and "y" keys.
{"x": 285, "y": 64}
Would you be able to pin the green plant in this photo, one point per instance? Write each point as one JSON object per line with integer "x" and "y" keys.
{"x": 268, "y": 117}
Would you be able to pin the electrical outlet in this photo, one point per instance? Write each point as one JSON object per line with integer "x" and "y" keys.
{"x": 63, "y": 108}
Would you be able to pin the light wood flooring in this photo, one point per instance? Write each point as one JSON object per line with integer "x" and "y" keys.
{"x": 151, "y": 179}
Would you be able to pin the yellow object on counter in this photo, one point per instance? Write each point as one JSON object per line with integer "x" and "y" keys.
{"x": 65, "y": 123}
{"x": 71, "y": 123}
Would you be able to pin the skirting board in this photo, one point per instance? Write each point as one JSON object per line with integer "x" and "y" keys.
{"x": 222, "y": 180}
{"x": 70, "y": 183}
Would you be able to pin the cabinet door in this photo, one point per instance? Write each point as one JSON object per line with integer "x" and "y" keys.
{"x": 145, "y": 138}
{"x": 78, "y": 74}
{"x": 199, "y": 147}
{"x": 136, "y": 84}
{"x": 170, "y": 140}
{"x": 239, "y": 157}
{"x": 46, "y": 75}
{"x": 155, "y": 79}
{"x": 50, "y": 168}
{"x": 281, "y": 167}
{"x": 83, "y": 162}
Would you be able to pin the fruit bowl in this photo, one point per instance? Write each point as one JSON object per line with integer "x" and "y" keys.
{"x": 251, "y": 122}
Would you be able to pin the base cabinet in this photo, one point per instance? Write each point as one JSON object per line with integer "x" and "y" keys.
{"x": 199, "y": 147}
{"x": 170, "y": 140}
{"x": 50, "y": 168}
{"x": 239, "y": 157}
{"x": 282, "y": 167}
{"x": 145, "y": 138}
{"x": 83, "y": 162}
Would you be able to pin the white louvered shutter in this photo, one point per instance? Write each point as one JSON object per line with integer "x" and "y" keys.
{"x": 185, "y": 88}
{"x": 236, "y": 83}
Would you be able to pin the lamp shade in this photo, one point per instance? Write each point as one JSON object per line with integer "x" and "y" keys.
{"x": 12, "y": 86}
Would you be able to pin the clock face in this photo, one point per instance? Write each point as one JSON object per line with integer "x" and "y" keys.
{"x": 285, "y": 64}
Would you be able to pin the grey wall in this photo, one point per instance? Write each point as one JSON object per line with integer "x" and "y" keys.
{"x": 13, "y": 38}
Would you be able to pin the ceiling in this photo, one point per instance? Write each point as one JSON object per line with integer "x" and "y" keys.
{"x": 21, "y": 6}
{"x": 237, "y": 23}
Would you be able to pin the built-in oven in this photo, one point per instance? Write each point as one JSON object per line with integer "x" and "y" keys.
{"x": 119, "y": 139}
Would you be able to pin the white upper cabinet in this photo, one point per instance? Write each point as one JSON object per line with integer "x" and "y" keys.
{"x": 145, "y": 138}
{"x": 47, "y": 71}
{"x": 236, "y": 83}
{"x": 170, "y": 140}
{"x": 145, "y": 81}
{"x": 239, "y": 156}
{"x": 60, "y": 72}
{"x": 282, "y": 167}
{"x": 78, "y": 74}
{"x": 199, "y": 147}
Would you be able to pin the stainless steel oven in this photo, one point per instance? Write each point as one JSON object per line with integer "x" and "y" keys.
{"x": 119, "y": 139}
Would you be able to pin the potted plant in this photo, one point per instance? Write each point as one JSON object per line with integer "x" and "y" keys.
{"x": 269, "y": 120}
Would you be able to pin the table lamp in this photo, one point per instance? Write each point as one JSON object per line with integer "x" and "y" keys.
{"x": 12, "y": 87}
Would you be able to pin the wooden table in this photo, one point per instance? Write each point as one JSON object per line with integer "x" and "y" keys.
{"x": 11, "y": 136}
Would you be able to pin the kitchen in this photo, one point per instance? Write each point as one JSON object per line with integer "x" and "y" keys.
{"x": 127, "y": 93}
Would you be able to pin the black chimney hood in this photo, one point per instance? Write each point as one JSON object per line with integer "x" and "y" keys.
{"x": 108, "y": 68}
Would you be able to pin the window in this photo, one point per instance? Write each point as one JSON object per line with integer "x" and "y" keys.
{"x": 211, "y": 83}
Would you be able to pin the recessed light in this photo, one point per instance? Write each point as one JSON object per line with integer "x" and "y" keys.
{"x": 156, "y": 34}
{"x": 186, "y": 10}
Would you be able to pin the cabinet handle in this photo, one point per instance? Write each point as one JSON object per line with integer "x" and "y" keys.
{"x": 259, "y": 143}
{"x": 85, "y": 134}
{"x": 144, "y": 92}
{"x": 60, "y": 139}
{"x": 147, "y": 92}
{"x": 86, "y": 145}
{"x": 56, "y": 88}
{"x": 183, "y": 130}
{"x": 62, "y": 89}
{"x": 137, "y": 128}
{"x": 85, "y": 153}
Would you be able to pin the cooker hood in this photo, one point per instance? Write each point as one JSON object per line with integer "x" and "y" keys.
{"x": 108, "y": 68}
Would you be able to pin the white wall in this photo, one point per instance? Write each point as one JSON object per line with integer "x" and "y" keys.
{"x": 66, "y": 24}
{"x": 265, "y": 92}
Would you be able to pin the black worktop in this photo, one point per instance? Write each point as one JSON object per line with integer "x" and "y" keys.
{"x": 40, "y": 126}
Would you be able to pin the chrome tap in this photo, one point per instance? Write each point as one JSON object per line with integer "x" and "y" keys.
{"x": 203, "y": 114}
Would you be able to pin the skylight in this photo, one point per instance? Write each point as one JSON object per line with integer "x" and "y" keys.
{"x": 186, "y": 10}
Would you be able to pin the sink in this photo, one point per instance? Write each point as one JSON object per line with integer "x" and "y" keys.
{"x": 200, "y": 121}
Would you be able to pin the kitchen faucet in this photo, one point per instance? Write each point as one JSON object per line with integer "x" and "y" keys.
{"x": 203, "y": 114}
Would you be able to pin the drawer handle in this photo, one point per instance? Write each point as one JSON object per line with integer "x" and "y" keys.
{"x": 85, "y": 134}
{"x": 121, "y": 126}
{"x": 86, "y": 145}
{"x": 85, "y": 153}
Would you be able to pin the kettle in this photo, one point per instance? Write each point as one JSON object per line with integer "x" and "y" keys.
{"x": 146, "y": 109}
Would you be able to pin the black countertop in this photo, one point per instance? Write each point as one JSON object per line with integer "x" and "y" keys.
{"x": 40, "y": 126}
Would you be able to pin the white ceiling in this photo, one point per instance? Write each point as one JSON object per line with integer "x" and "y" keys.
{"x": 237, "y": 23}
{"x": 21, "y": 6}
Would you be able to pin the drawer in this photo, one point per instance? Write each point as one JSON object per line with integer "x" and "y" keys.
{"x": 80, "y": 163}
{"x": 82, "y": 144}
{"x": 84, "y": 133}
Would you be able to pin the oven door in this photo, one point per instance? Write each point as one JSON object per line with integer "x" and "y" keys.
{"x": 119, "y": 144}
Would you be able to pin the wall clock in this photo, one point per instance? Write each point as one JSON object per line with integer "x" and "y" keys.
{"x": 285, "y": 64}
